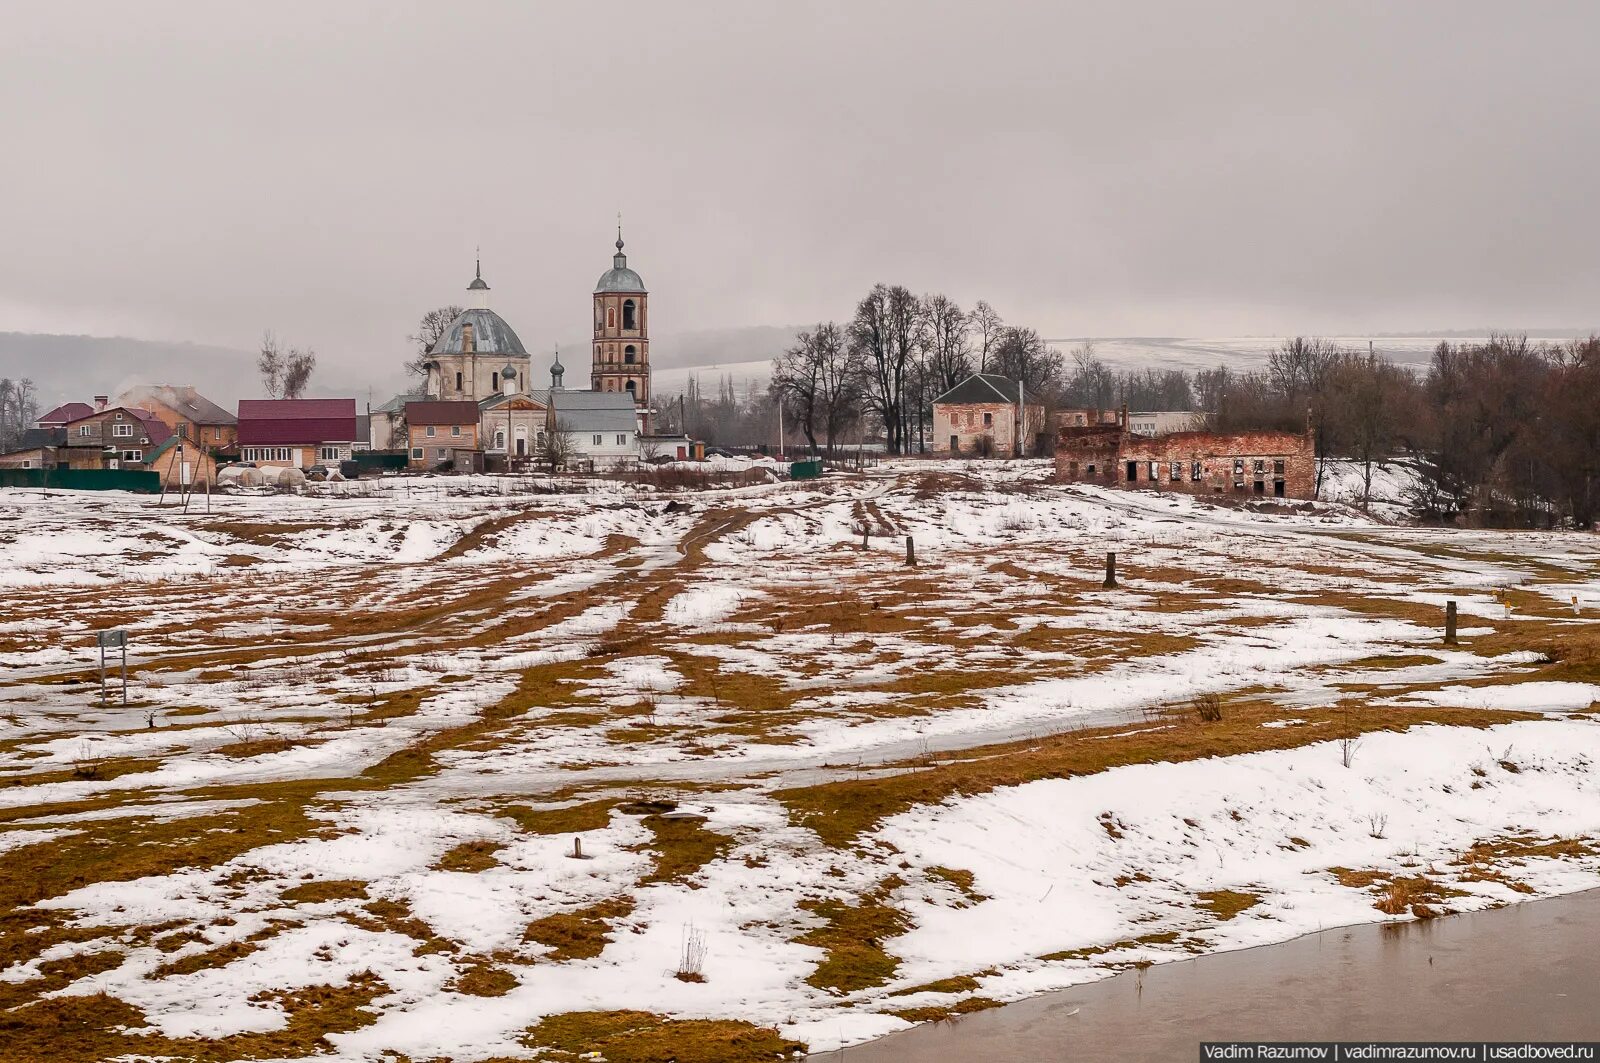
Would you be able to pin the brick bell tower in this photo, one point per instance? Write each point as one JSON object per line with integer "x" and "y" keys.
{"x": 622, "y": 334}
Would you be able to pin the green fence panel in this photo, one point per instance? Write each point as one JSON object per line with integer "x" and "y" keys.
{"x": 805, "y": 470}
{"x": 148, "y": 483}
{"x": 379, "y": 459}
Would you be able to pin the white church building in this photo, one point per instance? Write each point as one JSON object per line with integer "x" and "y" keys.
{"x": 479, "y": 357}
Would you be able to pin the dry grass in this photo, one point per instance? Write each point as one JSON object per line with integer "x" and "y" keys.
{"x": 853, "y": 935}
{"x": 470, "y": 857}
{"x": 579, "y": 935}
{"x": 640, "y": 1037}
{"x": 841, "y": 811}
{"x": 1225, "y": 904}
{"x": 936, "y": 1013}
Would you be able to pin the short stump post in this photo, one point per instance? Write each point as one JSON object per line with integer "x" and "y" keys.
{"x": 1450, "y": 623}
{"x": 911, "y": 552}
{"x": 1111, "y": 571}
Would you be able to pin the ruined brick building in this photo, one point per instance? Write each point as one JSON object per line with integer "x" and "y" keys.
{"x": 1098, "y": 447}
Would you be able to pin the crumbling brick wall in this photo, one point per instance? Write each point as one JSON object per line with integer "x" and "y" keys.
{"x": 1273, "y": 464}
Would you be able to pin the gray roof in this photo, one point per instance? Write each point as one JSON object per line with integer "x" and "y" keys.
{"x": 581, "y": 411}
{"x": 490, "y": 335}
{"x": 398, "y": 403}
{"x": 980, "y": 388}
{"x": 619, "y": 278}
{"x": 180, "y": 398}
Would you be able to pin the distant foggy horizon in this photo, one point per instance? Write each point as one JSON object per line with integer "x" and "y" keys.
{"x": 202, "y": 173}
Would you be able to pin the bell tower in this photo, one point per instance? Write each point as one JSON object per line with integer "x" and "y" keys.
{"x": 622, "y": 334}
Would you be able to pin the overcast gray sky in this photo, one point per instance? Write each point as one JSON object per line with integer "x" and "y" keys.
{"x": 205, "y": 170}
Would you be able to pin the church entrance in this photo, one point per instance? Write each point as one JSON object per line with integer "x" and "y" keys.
{"x": 522, "y": 446}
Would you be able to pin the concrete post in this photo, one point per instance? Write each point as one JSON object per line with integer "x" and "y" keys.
{"x": 1450, "y": 623}
{"x": 577, "y": 848}
{"x": 911, "y": 552}
{"x": 1111, "y": 571}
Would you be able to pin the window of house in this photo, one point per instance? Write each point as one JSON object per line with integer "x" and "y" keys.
{"x": 416, "y": 452}
{"x": 122, "y": 431}
{"x": 1175, "y": 471}
{"x": 133, "y": 455}
{"x": 988, "y": 420}
{"x": 1154, "y": 472}
{"x": 597, "y": 441}
{"x": 1261, "y": 467}
{"x": 622, "y": 439}
{"x": 1197, "y": 471}
{"x": 83, "y": 429}
{"x": 455, "y": 429}
{"x": 183, "y": 429}
{"x": 458, "y": 382}
{"x": 428, "y": 431}
{"x": 1090, "y": 469}
{"x": 441, "y": 452}
{"x": 328, "y": 454}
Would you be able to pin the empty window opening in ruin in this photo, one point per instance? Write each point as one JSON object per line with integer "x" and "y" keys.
{"x": 1133, "y": 471}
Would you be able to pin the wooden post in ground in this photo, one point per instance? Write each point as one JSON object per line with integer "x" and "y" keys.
{"x": 1450, "y": 623}
{"x": 911, "y": 552}
{"x": 577, "y": 848}
{"x": 864, "y": 537}
{"x": 1111, "y": 571}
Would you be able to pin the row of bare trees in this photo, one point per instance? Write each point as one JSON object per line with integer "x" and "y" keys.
{"x": 896, "y": 354}
{"x": 19, "y": 407}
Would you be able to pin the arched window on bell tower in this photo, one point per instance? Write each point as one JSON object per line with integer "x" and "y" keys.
{"x": 633, "y": 388}
{"x": 630, "y": 354}
{"x": 630, "y": 318}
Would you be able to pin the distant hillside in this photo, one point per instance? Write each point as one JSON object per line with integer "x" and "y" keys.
{"x": 69, "y": 368}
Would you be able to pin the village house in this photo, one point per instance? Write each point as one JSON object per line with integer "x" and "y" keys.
{"x": 439, "y": 432}
{"x": 296, "y": 433}
{"x": 988, "y": 416}
{"x": 110, "y": 437}
{"x": 188, "y": 413}
{"x": 1276, "y": 464}
{"x": 67, "y": 411}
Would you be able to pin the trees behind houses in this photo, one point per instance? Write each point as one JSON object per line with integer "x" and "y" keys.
{"x": 285, "y": 373}
{"x": 19, "y": 408}
{"x": 818, "y": 380}
{"x": 430, "y": 329}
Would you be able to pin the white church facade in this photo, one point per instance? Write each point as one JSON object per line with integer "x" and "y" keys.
{"x": 480, "y": 358}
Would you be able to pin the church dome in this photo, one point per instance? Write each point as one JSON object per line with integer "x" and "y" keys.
{"x": 490, "y": 335}
{"x": 619, "y": 278}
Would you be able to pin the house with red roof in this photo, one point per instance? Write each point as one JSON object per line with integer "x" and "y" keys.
{"x": 296, "y": 433}
{"x": 112, "y": 437}
{"x": 67, "y": 411}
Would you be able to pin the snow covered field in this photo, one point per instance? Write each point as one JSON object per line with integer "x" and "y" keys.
{"x": 818, "y": 793}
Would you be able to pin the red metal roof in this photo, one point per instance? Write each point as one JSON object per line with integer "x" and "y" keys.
{"x": 289, "y": 421}
{"x": 453, "y": 411}
{"x": 67, "y": 411}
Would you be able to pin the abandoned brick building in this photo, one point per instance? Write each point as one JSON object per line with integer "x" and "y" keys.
{"x": 1105, "y": 451}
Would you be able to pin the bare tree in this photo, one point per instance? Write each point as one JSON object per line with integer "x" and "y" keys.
{"x": 269, "y": 363}
{"x": 797, "y": 379}
{"x": 948, "y": 340}
{"x": 297, "y": 369}
{"x": 558, "y": 447}
{"x": 986, "y": 326}
{"x": 18, "y": 409}
{"x": 430, "y": 329}
{"x": 1022, "y": 355}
